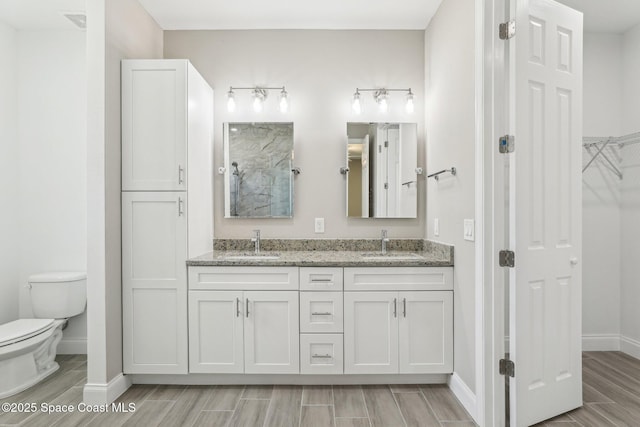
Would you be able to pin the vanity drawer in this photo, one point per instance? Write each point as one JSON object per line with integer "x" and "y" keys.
{"x": 398, "y": 278}
{"x": 321, "y": 354}
{"x": 243, "y": 278}
{"x": 320, "y": 279}
{"x": 321, "y": 312}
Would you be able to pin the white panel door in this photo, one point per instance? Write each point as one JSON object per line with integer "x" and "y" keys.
{"x": 425, "y": 332}
{"x": 215, "y": 332}
{"x": 546, "y": 282}
{"x": 154, "y": 282}
{"x": 154, "y": 112}
{"x": 271, "y": 340}
{"x": 371, "y": 332}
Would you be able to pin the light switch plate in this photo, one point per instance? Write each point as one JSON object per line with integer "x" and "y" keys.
{"x": 319, "y": 225}
{"x": 469, "y": 230}
{"x": 436, "y": 226}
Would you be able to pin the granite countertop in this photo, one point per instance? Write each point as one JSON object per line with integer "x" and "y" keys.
{"x": 320, "y": 253}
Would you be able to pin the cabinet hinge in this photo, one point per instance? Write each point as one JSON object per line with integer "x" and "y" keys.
{"x": 507, "y": 30}
{"x": 507, "y": 144}
{"x": 386, "y": 185}
{"x": 507, "y": 367}
{"x": 507, "y": 259}
{"x": 386, "y": 144}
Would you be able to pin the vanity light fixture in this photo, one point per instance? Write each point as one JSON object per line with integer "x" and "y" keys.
{"x": 259, "y": 94}
{"x": 231, "y": 101}
{"x": 381, "y": 96}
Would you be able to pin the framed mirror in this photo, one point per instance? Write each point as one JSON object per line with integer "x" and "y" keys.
{"x": 381, "y": 178}
{"x": 258, "y": 160}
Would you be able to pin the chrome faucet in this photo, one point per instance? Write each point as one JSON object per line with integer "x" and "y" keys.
{"x": 256, "y": 240}
{"x": 383, "y": 240}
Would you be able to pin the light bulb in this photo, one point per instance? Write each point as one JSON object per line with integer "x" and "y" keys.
{"x": 257, "y": 104}
{"x": 284, "y": 102}
{"x": 383, "y": 104}
{"x": 231, "y": 102}
{"x": 357, "y": 107}
{"x": 410, "y": 107}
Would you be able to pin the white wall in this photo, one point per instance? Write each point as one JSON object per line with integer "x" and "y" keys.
{"x": 52, "y": 168}
{"x": 450, "y": 128}
{"x": 630, "y": 205}
{"x": 601, "y": 265}
{"x": 117, "y": 29}
{"x": 9, "y": 214}
{"x": 321, "y": 70}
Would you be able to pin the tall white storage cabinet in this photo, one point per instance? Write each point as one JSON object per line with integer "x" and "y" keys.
{"x": 167, "y": 212}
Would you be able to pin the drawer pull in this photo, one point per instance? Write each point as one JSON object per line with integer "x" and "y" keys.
{"x": 321, "y": 280}
{"x": 322, "y": 356}
{"x": 404, "y": 307}
{"x": 321, "y": 314}
{"x": 237, "y": 307}
{"x": 247, "y": 307}
{"x": 395, "y": 307}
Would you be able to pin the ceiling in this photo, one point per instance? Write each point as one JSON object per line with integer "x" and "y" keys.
{"x": 607, "y": 16}
{"x": 39, "y": 14}
{"x": 292, "y": 14}
{"x": 600, "y": 15}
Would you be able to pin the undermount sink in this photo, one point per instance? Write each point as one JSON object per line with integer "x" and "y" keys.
{"x": 377, "y": 256}
{"x": 250, "y": 256}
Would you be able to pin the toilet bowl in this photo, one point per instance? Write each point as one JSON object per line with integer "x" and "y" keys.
{"x": 28, "y": 346}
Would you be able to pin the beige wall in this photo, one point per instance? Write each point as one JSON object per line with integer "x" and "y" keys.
{"x": 450, "y": 127}
{"x": 321, "y": 70}
{"x": 117, "y": 29}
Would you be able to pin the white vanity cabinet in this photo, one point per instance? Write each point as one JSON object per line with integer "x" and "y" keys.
{"x": 394, "y": 323}
{"x": 167, "y": 135}
{"x": 244, "y": 320}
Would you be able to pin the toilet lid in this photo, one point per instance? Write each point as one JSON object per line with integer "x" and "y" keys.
{"x": 22, "y": 329}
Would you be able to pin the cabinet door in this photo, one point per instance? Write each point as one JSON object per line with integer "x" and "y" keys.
{"x": 154, "y": 281}
{"x": 271, "y": 341}
{"x": 370, "y": 332}
{"x": 154, "y": 113}
{"x": 215, "y": 332}
{"x": 426, "y": 332}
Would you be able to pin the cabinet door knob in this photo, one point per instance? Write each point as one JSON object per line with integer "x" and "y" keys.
{"x": 237, "y": 307}
{"x": 247, "y": 307}
{"x": 404, "y": 307}
{"x": 573, "y": 260}
{"x": 395, "y": 307}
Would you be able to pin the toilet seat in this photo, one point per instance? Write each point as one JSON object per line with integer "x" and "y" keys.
{"x": 23, "y": 329}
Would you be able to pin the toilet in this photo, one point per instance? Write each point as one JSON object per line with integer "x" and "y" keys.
{"x": 28, "y": 346}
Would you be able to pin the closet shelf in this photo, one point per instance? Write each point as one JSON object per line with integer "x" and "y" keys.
{"x": 607, "y": 149}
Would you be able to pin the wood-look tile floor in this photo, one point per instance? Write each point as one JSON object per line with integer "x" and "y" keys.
{"x": 611, "y": 396}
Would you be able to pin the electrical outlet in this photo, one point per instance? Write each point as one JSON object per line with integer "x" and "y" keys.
{"x": 319, "y": 225}
{"x": 436, "y": 226}
{"x": 469, "y": 230}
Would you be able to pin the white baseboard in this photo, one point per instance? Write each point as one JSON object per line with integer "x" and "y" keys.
{"x": 464, "y": 394}
{"x": 72, "y": 346}
{"x": 600, "y": 342}
{"x": 105, "y": 394}
{"x": 630, "y": 346}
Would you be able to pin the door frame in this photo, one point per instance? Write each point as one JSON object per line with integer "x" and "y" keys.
{"x": 491, "y": 101}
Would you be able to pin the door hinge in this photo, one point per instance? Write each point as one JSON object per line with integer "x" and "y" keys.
{"x": 507, "y": 30}
{"x": 507, "y": 259}
{"x": 507, "y": 367}
{"x": 507, "y": 144}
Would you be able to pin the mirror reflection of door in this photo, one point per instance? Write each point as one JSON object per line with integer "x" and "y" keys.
{"x": 382, "y": 179}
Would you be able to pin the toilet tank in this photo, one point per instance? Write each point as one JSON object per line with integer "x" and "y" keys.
{"x": 58, "y": 295}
